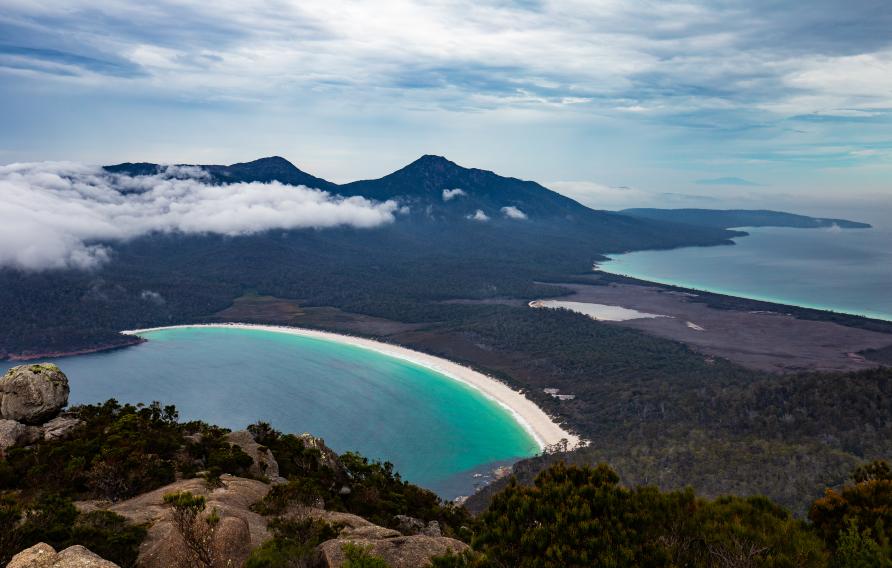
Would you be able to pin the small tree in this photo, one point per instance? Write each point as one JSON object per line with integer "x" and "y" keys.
{"x": 197, "y": 531}
{"x": 857, "y": 549}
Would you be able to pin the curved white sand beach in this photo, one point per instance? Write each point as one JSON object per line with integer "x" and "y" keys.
{"x": 532, "y": 418}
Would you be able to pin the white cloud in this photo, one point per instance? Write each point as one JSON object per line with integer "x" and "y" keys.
{"x": 559, "y": 53}
{"x": 512, "y": 212}
{"x": 65, "y": 215}
{"x": 479, "y": 215}
{"x": 450, "y": 194}
{"x": 150, "y": 296}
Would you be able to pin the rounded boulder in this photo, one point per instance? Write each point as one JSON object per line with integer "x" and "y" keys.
{"x": 33, "y": 394}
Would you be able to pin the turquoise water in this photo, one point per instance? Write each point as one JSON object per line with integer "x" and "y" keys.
{"x": 436, "y": 431}
{"x": 830, "y": 269}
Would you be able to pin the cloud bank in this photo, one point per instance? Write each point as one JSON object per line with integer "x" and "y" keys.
{"x": 66, "y": 215}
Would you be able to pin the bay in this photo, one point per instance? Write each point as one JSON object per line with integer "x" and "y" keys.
{"x": 437, "y": 431}
{"x": 843, "y": 270}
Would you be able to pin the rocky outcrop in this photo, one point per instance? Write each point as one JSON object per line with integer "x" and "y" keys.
{"x": 327, "y": 457}
{"x": 239, "y": 531}
{"x": 45, "y": 556}
{"x": 397, "y": 549}
{"x": 14, "y": 433}
{"x": 60, "y": 427}
{"x": 33, "y": 394}
{"x": 29, "y": 396}
{"x": 410, "y": 525}
{"x": 265, "y": 465}
{"x": 397, "y": 552}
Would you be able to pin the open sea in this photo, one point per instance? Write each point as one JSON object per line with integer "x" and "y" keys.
{"x": 437, "y": 431}
{"x": 844, "y": 270}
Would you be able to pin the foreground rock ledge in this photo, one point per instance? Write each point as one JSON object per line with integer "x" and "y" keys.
{"x": 397, "y": 551}
{"x": 42, "y": 555}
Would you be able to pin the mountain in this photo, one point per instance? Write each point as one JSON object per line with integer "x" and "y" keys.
{"x": 441, "y": 196}
{"x": 273, "y": 168}
{"x": 726, "y": 219}
{"x": 443, "y": 189}
{"x": 432, "y": 252}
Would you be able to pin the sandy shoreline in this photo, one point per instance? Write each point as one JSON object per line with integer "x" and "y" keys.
{"x": 532, "y": 418}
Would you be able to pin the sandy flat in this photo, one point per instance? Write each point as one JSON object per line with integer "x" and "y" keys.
{"x": 759, "y": 339}
{"x": 600, "y": 312}
{"x": 532, "y": 418}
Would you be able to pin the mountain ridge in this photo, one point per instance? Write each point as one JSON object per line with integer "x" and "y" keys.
{"x": 437, "y": 188}
{"x": 731, "y": 218}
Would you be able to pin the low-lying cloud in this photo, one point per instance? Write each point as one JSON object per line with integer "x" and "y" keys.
{"x": 479, "y": 215}
{"x": 512, "y": 212}
{"x": 66, "y": 215}
{"x": 450, "y": 194}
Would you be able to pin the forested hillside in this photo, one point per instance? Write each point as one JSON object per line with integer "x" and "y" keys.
{"x": 396, "y": 271}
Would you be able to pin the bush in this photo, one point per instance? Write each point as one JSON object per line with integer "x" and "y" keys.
{"x": 581, "y": 516}
{"x": 867, "y": 504}
{"x": 293, "y": 544}
{"x": 361, "y": 557}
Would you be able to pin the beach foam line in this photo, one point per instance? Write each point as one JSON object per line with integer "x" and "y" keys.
{"x": 541, "y": 427}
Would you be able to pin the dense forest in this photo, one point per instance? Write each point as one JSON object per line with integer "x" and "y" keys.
{"x": 568, "y": 516}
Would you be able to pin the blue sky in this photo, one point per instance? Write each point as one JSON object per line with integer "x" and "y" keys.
{"x": 722, "y": 103}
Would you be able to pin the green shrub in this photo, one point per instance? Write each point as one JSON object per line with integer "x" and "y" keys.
{"x": 293, "y": 544}
{"x": 361, "y": 557}
{"x": 581, "y": 516}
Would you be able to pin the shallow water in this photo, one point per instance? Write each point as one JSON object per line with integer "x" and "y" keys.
{"x": 436, "y": 431}
{"x": 846, "y": 270}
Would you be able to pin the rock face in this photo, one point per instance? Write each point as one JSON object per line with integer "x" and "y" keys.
{"x": 410, "y": 525}
{"x": 44, "y": 556}
{"x": 265, "y": 465}
{"x": 14, "y": 433}
{"x": 33, "y": 394}
{"x": 327, "y": 456}
{"x": 240, "y": 529}
{"x": 60, "y": 427}
{"x": 397, "y": 552}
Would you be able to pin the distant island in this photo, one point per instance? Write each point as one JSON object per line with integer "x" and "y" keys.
{"x": 732, "y": 218}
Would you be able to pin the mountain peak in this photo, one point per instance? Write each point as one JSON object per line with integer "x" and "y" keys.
{"x": 269, "y": 161}
{"x": 432, "y": 162}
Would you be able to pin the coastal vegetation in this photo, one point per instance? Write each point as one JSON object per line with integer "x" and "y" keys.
{"x": 663, "y": 414}
{"x": 58, "y": 491}
{"x": 65, "y": 487}
{"x": 122, "y": 450}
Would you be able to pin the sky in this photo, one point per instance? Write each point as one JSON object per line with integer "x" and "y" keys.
{"x": 724, "y": 103}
